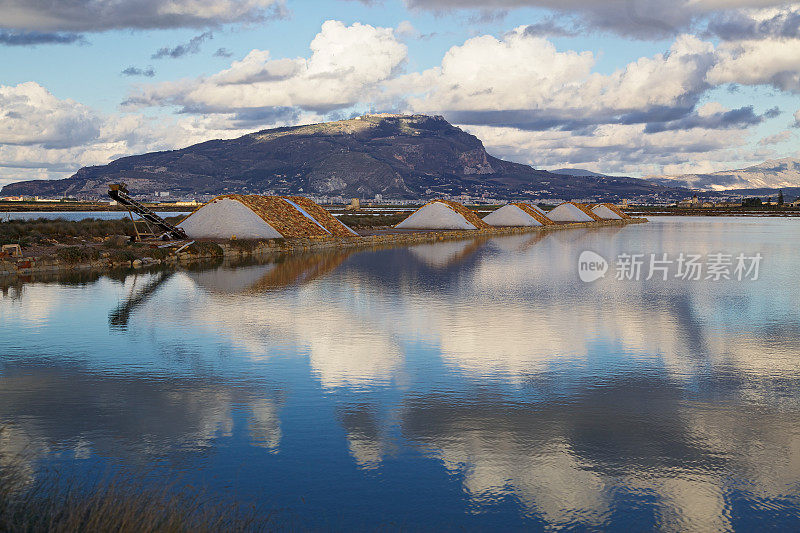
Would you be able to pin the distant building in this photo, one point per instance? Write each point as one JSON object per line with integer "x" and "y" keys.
{"x": 752, "y": 202}
{"x": 690, "y": 202}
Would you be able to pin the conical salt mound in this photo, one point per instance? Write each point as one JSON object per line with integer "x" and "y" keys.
{"x": 322, "y": 216}
{"x": 537, "y": 209}
{"x": 261, "y": 217}
{"x": 443, "y": 215}
{"x": 572, "y": 212}
{"x": 608, "y": 212}
{"x": 516, "y": 215}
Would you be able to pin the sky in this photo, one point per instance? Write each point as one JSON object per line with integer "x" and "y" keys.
{"x": 633, "y": 87}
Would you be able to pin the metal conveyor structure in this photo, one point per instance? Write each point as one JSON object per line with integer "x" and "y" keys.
{"x": 119, "y": 192}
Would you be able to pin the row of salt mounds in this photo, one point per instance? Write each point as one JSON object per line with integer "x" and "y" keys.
{"x": 517, "y": 215}
{"x": 572, "y": 212}
{"x": 609, "y": 212}
{"x": 262, "y": 217}
{"x": 444, "y": 215}
{"x": 537, "y": 209}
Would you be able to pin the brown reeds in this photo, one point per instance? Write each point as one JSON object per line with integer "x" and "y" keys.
{"x": 121, "y": 503}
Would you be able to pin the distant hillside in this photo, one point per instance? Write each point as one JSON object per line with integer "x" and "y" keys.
{"x": 396, "y": 156}
{"x": 790, "y": 194}
{"x": 776, "y": 174}
{"x": 577, "y": 172}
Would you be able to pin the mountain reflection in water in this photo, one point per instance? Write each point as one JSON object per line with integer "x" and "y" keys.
{"x": 460, "y": 384}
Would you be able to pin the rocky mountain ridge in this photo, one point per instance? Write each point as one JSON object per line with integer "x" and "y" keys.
{"x": 773, "y": 174}
{"x": 395, "y": 156}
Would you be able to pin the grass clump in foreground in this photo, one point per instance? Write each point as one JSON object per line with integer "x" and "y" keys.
{"x": 121, "y": 504}
{"x": 205, "y": 248}
{"x": 72, "y": 255}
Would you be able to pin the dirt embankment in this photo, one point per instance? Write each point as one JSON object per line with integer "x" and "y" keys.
{"x": 116, "y": 251}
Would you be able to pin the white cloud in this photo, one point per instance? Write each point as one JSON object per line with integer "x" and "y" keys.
{"x": 644, "y": 19}
{"x": 100, "y": 15}
{"x": 516, "y": 72}
{"x": 744, "y": 24}
{"x": 618, "y": 148}
{"x": 776, "y": 139}
{"x": 773, "y": 62}
{"x": 31, "y": 115}
{"x": 525, "y": 81}
{"x": 42, "y": 136}
{"x": 346, "y": 63}
{"x": 405, "y": 30}
{"x": 711, "y": 108}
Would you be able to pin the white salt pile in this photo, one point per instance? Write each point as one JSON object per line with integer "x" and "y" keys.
{"x": 569, "y": 212}
{"x": 604, "y": 212}
{"x": 436, "y": 215}
{"x": 510, "y": 215}
{"x": 223, "y": 218}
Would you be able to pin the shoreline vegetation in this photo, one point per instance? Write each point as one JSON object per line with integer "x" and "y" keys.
{"x": 58, "y": 245}
{"x": 123, "y": 502}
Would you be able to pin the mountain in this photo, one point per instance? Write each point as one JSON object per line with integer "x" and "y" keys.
{"x": 790, "y": 194}
{"x": 775, "y": 174}
{"x": 396, "y": 156}
{"x": 577, "y": 172}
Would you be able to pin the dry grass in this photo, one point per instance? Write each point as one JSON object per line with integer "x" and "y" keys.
{"x": 45, "y": 231}
{"x": 205, "y": 248}
{"x": 372, "y": 221}
{"x": 73, "y": 255}
{"x": 122, "y": 503}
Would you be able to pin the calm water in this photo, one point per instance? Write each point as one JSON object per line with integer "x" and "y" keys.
{"x": 76, "y": 215}
{"x": 459, "y": 385}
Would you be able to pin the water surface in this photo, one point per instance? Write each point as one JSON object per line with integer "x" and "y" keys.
{"x": 76, "y": 215}
{"x": 473, "y": 384}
